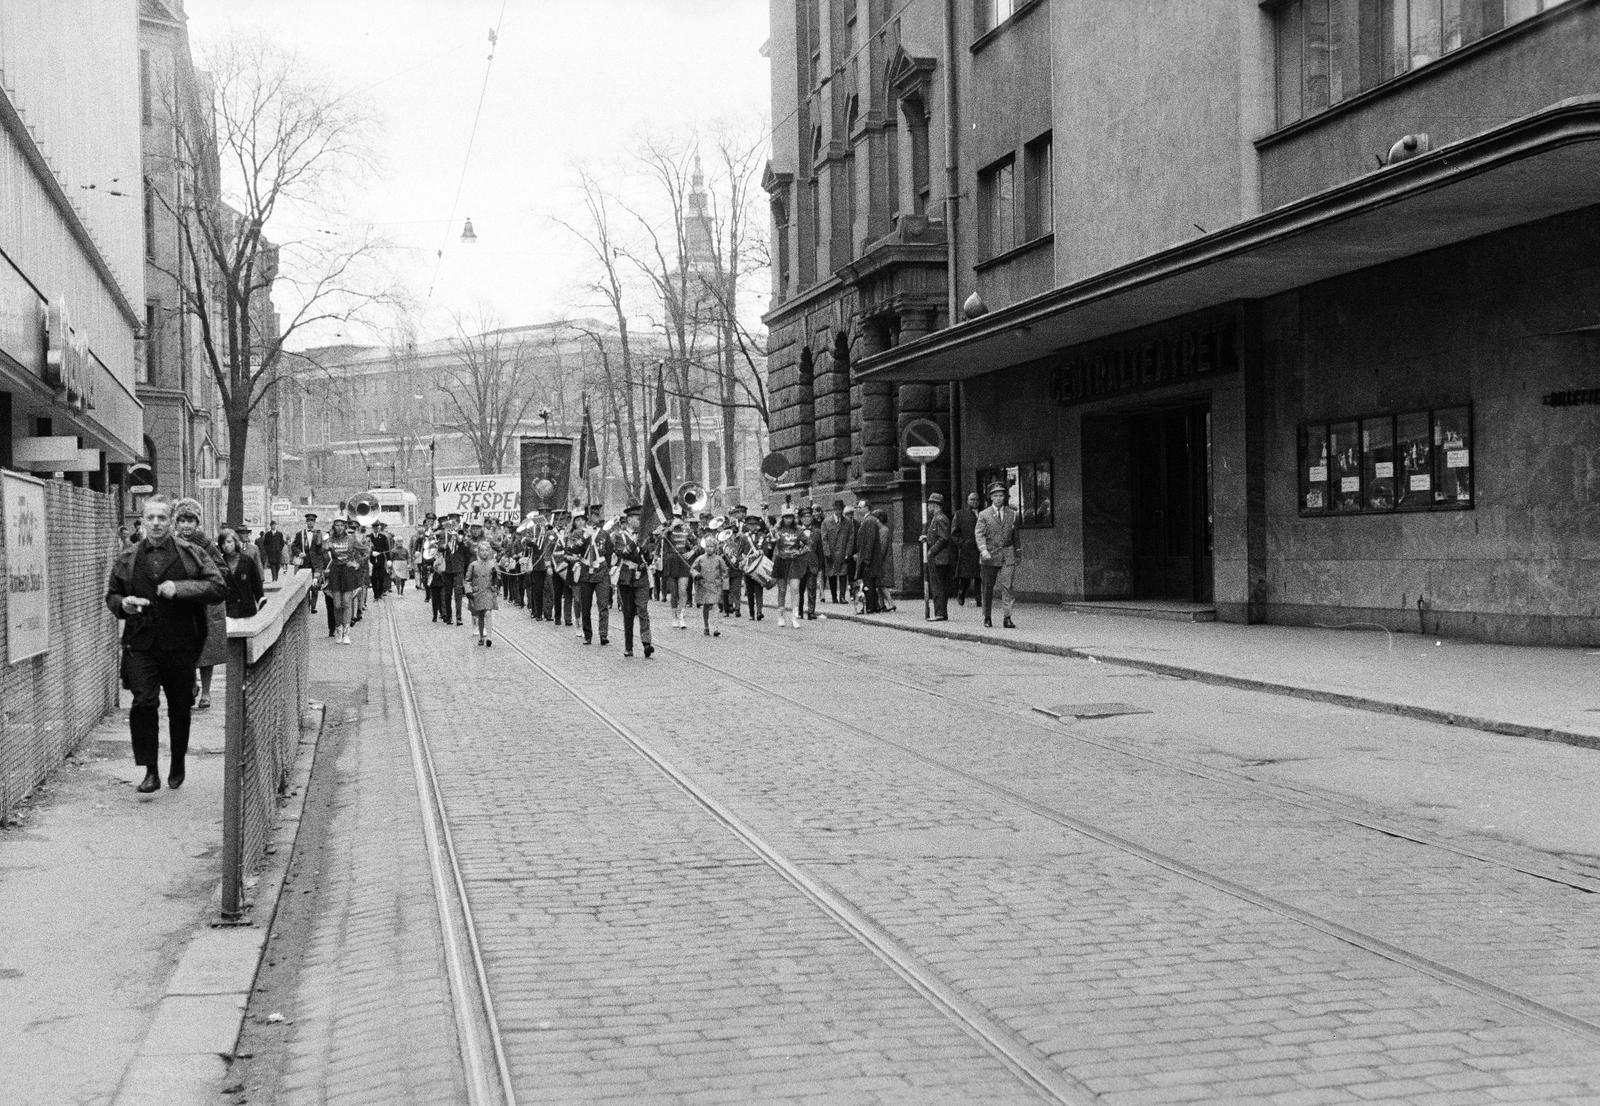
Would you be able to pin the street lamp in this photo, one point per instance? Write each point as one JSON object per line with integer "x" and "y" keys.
{"x": 433, "y": 480}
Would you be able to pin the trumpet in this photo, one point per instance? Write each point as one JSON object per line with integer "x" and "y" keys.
{"x": 692, "y": 496}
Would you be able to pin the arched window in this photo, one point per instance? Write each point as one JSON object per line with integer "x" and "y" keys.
{"x": 916, "y": 115}
{"x": 780, "y": 231}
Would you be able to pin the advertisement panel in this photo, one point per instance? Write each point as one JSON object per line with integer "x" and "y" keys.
{"x": 27, "y": 568}
{"x": 546, "y": 474}
{"x": 255, "y": 506}
{"x": 476, "y": 498}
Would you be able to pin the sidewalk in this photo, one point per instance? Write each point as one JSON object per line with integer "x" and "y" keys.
{"x": 1530, "y": 691}
{"x": 114, "y": 988}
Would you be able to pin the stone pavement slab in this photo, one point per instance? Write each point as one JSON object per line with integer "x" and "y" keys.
{"x": 1530, "y": 691}
{"x": 100, "y": 890}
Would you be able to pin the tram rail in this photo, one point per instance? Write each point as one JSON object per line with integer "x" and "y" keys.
{"x": 483, "y": 1053}
{"x": 1524, "y": 1005}
{"x": 1276, "y": 792}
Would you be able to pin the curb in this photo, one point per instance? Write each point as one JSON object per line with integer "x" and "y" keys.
{"x": 185, "y": 1054}
{"x": 1245, "y": 683}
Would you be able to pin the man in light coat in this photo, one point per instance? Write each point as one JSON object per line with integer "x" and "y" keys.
{"x": 999, "y": 550}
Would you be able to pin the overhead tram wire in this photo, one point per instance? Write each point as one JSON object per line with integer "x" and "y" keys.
{"x": 494, "y": 45}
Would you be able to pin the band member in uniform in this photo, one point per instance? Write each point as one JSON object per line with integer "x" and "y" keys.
{"x": 936, "y": 544}
{"x": 382, "y": 544}
{"x": 344, "y": 576}
{"x": 789, "y": 557}
{"x": 752, "y": 548}
{"x": 569, "y": 552}
{"x": 633, "y": 555}
{"x": 813, "y": 564}
{"x": 544, "y": 544}
{"x": 460, "y": 555}
{"x": 732, "y": 527}
{"x": 675, "y": 552}
{"x": 594, "y": 576}
{"x": 305, "y": 551}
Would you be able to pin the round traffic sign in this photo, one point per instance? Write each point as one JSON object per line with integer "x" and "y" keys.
{"x": 922, "y": 441}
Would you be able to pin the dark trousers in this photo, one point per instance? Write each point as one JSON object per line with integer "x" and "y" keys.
{"x": 808, "y": 593}
{"x": 634, "y": 600}
{"x": 536, "y": 596}
{"x": 939, "y": 588}
{"x": 561, "y": 602}
{"x": 590, "y": 595}
{"x": 756, "y": 595}
{"x": 380, "y": 579}
{"x": 275, "y": 569}
{"x": 333, "y": 621}
{"x": 149, "y": 674}
{"x": 965, "y": 586}
{"x": 730, "y": 598}
{"x": 444, "y": 586}
{"x": 836, "y": 588}
{"x": 871, "y": 598}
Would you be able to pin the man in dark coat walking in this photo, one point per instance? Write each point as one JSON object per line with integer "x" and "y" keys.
{"x": 272, "y": 545}
{"x": 964, "y": 544}
{"x": 868, "y": 552}
{"x": 936, "y": 537}
{"x": 160, "y": 588}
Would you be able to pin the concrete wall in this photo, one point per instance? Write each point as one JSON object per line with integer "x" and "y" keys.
{"x": 1476, "y": 323}
{"x": 1150, "y": 119}
{"x": 49, "y": 703}
{"x": 1526, "y": 68}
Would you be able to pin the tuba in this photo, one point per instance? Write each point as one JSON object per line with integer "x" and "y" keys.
{"x": 693, "y": 497}
{"x": 362, "y": 508}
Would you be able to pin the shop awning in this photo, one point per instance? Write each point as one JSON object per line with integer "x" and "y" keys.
{"x": 1543, "y": 165}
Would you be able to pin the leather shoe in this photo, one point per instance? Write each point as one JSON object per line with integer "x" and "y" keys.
{"x": 1008, "y": 624}
{"x": 989, "y": 622}
{"x": 151, "y": 782}
{"x": 175, "y": 778}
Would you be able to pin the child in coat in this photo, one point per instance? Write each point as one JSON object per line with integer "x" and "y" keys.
{"x": 710, "y": 575}
{"x": 480, "y": 585}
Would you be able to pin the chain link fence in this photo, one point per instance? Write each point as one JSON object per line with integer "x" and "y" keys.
{"x": 269, "y": 674}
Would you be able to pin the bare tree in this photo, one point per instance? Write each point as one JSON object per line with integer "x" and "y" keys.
{"x": 489, "y": 388}
{"x": 280, "y": 142}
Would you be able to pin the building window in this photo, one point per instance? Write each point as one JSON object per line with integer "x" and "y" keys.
{"x": 1412, "y": 461}
{"x": 995, "y": 12}
{"x": 915, "y": 110}
{"x": 149, "y": 219}
{"x": 780, "y": 231}
{"x": 144, "y": 87}
{"x": 152, "y": 343}
{"x": 852, "y": 180}
{"x": 997, "y": 211}
{"x": 1031, "y": 487}
{"x": 1329, "y": 50}
{"x": 814, "y": 40}
{"x": 1038, "y": 183}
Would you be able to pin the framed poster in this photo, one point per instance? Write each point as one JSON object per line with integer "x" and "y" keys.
{"x": 1452, "y": 456}
{"x": 1344, "y": 467}
{"x": 1415, "y": 450}
{"x": 27, "y": 568}
{"x": 1377, "y": 462}
{"x": 1313, "y": 469}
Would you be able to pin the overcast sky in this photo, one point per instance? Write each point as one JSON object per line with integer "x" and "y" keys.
{"x": 572, "y": 81}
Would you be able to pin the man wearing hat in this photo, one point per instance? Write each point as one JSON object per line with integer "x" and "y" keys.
{"x": 272, "y": 545}
{"x": 868, "y": 552}
{"x": 999, "y": 540}
{"x": 594, "y": 575}
{"x": 633, "y": 554}
{"x": 936, "y": 546}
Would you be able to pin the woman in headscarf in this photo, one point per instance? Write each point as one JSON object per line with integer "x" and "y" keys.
{"x": 186, "y": 517}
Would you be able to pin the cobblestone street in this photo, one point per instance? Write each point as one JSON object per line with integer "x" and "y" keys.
{"x": 844, "y": 865}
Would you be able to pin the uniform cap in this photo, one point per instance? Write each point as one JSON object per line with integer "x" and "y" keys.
{"x": 997, "y": 487}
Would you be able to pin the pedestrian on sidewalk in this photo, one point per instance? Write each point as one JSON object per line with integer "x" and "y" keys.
{"x": 936, "y": 543}
{"x": 633, "y": 556}
{"x": 160, "y": 587}
{"x": 964, "y": 547}
{"x": 812, "y": 533}
{"x": 481, "y": 579}
{"x": 241, "y": 574}
{"x": 186, "y": 523}
{"x": 345, "y": 555}
{"x": 838, "y": 539}
{"x": 999, "y": 539}
{"x": 867, "y": 554}
{"x": 273, "y": 544}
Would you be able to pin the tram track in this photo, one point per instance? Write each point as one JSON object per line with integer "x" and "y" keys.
{"x": 1034, "y": 1071}
{"x": 483, "y": 1055}
{"x": 1276, "y": 792}
{"x": 1521, "y": 1004}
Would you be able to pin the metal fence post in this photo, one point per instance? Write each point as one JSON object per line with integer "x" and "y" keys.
{"x": 233, "y": 786}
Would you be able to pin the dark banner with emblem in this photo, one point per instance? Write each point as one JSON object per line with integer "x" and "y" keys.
{"x": 546, "y": 474}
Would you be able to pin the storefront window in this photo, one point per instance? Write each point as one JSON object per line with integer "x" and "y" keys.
{"x": 1452, "y": 453}
{"x": 1419, "y": 460}
{"x": 1032, "y": 491}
